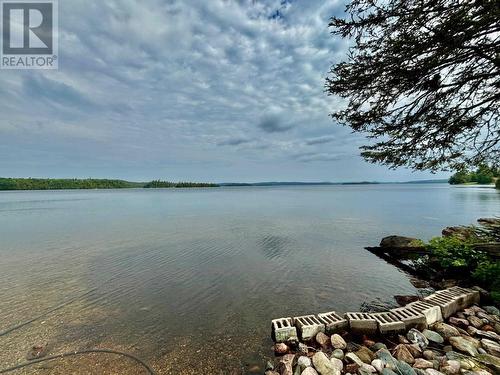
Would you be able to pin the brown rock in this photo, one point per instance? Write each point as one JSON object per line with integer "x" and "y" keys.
{"x": 322, "y": 339}
{"x": 365, "y": 354}
{"x": 489, "y": 328}
{"x": 281, "y": 348}
{"x": 422, "y": 364}
{"x": 445, "y": 330}
{"x": 491, "y": 347}
{"x": 451, "y": 368}
{"x": 405, "y": 300}
{"x": 285, "y": 365}
{"x": 351, "y": 368}
{"x": 415, "y": 350}
{"x": 463, "y": 323}
{"x": 338, "y": 342}
{"x": 402, "y": 339}
{"x": 429, "y": 355}
{"x": 402, "y": 353}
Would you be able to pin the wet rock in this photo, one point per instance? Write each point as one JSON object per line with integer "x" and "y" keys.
{"x": 433, "y": 336}
{"x": 402, "y": 353}
{"x": 445, "y": 330}
{"x": 338, "y": 353}
{"x": 36, "y": 352}
{"x": 309, "y": 371}
{"x": 280, "y": 348}
{"x": 475, "y": 321}
{"x": 463, "y": 345}
{"x": 323, "y": 365}
{"x": 304, "y": 362}
{"x": 378, "y": 365}
{"x": 322, "y": 339}
{"x": 416, "y": 337}
{"x": 464, "y": 323}
{"x": 338, "y": 342}
{"x": 492, "y": 310}
{"x": 337, "y": 364}
{"x": 422, "y": 364}
{"x": 365, "y": 354}
{"x": 405, "y": 300}
{"x": 451, "y": 368}
{"x": 491, "y": 347}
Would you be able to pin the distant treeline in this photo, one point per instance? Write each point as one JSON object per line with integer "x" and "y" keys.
{"x": 482, "y": 175}
{"x": 157, "y": 184}
{"x": 90, "y": 183}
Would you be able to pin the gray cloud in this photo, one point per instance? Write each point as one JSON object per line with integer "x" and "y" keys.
{"x": 320, "y": 140}
{"x": 233, "y": 141}
{"x": 274, "y": 123}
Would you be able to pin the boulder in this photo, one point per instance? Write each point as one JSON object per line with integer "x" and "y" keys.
{"x": 463, "y": 345}
{"x": 445, "y": 330}
{"x": 304, "y": 362}
{"x": 402, "y": 353}
{"x": 422, "y": 364}
{"x": 323, "y": 365}
{"x": 433, "y": 336}
{"x": 309, "y": 371}
{"x": 417, "y": 337}
{"x": 491, "y": 347}
{"x": 365, "y": 354}
{"x": 338, "y": 342}
{"x": 322, "y": 339}
{"x": 338, "y": 353}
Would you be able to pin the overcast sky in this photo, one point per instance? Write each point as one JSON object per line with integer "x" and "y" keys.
{"x": 205, "y": 90}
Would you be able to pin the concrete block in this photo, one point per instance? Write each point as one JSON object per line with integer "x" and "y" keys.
{"x": 308, "y": 326}
{"x": 431, "y": 311}
{"x": 410, "y": 317}
{"x": 449, "y": 304}
{"x": 388, "y": 323}
{"x": 333, "y": 322}
{"x": 361, "y": 323}
{"x": 466, "y": 296}
{"x": 283, "y": 330}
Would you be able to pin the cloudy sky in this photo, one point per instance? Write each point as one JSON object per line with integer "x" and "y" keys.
{"x": 212, "y": 90}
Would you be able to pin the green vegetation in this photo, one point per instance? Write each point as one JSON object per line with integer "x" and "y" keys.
{"x": 157, "y": 184}
{"x": 459, "y": 257}
{"x": 58, "y": 184}
{"x": 482, "y": 175}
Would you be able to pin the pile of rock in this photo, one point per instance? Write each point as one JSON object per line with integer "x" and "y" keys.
{"x": 469, "y": 343}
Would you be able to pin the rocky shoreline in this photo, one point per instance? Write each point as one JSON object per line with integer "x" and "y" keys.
{"x": 468, "y": 343}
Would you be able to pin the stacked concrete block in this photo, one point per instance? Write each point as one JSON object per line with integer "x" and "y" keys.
{"x": 361, "y": 322}
{"x": 388, "y": 323}
{"x": 283, "y": 330}
{"x": 309, "y": 326}
{"x": 412, "y": 318}
{"x": 333, "y": 322}
{"x": 430, "y": 311}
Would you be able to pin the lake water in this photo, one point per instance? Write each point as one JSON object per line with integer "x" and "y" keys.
{"x": 189, "y": 280}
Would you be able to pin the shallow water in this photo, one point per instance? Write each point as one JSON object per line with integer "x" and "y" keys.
{"x": 190, "y": 279}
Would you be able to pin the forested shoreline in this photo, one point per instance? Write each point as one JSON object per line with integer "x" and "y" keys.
{"x": 90, "y": 183}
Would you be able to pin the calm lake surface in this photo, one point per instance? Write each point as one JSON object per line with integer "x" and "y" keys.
{"x": 189, "y": 279}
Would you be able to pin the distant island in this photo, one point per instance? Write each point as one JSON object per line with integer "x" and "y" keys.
{"x": 91, "y": 183}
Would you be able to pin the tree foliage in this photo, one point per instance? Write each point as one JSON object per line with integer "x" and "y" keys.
{"x": 482, "y": 175}
{"x": 422, "y": 80}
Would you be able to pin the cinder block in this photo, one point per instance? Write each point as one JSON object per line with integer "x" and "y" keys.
{"x": 431, "y": 311}
{"x": 333, "y": 322}
{"x": 388, "y": 323}
{"x": 410, "y": 317}
{"x": 466, "y": 296}
{"x": 449, "y": 304}
{"x": 361, "y": 323}
{"x": 308, "y": 326}
{"x": 283, "y": 330}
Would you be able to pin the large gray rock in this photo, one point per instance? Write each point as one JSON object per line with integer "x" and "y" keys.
{"x": 433, "y": 336}
{"x": 416, "y": 337}
{"x": 323, "y": 365}
{"x": 492, "y": 310}
{"x": 445, "y": 330}
{"x": 463, "y": 345}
